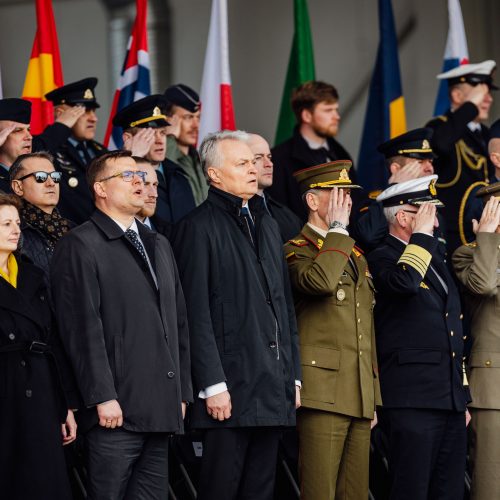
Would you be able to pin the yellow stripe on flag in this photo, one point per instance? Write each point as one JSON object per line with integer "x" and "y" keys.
{"x": 397, "y": 117}
{"x": 39, "y": 77}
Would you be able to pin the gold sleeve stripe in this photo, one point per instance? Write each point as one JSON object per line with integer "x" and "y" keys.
{"x": 417, "y": 257}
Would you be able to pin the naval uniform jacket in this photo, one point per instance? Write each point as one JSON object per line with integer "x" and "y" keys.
{"x": 126, "y": 338}
{"x": 477, "y": 266}
{"x": 75, "y": 202}
{"x": 241, "y": 319}
{"x": 418, "y": 326}
{"x": 333, "y": 294}
{"x": 462, "y": 166}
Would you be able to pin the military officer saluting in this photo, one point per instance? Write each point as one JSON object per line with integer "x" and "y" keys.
{"x": 420, "y": 345}
{"x": 477, "y": 266}
{"x": 460, "y": 142}
{"x": 73, "y": 157}
{"x": 334, "y": 302}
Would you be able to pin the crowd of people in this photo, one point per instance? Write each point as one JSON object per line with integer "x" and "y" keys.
{"x": 240, "y": 291}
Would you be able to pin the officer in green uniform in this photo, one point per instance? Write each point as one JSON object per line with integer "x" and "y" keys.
{"x": 334, "y": 300}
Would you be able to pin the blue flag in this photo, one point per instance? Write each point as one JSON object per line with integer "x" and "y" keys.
{"x": 385, "y": 114}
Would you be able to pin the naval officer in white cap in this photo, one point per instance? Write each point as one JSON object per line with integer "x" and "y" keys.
{"x": 460, "y": 141}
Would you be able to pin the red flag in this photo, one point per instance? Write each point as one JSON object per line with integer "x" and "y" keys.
{"x": 44, "y": 69}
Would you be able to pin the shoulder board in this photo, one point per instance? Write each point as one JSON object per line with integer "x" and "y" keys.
{"x": 289, "y": 255}
{"x": 373, "y": 194}
{"x": 443, "y": 118}
{"x": 298, "y": 243}
{"x": 357, "y": 251}
{"x": 472, "y": 245}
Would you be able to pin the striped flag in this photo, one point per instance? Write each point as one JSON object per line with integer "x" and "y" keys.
{"x": 134, "y": 83}
{"x": 385, "y": 114}
{"x": 44, "y": 69}
{"x": 455, "y": 53}
{"x": 217, "y": 111}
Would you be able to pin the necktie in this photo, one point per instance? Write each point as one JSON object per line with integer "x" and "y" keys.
{"x": 132, "y": 236}
{"x": 249, "y": 225}
{"x": 84, "y": 154}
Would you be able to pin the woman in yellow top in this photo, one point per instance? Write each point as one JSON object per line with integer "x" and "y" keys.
{"x": 35, "y": 383}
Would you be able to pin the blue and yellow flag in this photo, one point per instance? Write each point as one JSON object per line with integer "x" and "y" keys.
{"x": 385, "y": 114}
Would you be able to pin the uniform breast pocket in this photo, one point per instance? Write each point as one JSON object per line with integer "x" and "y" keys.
{"x": 320, "y": 367}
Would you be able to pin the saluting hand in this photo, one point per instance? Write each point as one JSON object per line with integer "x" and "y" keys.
{"x": 339, "y": 206}
{"x": 70, "y": 115}
{"x": 140, "y": 143}
{"x": 409, "y": 172}
{"x": 4, "y": 133}
{"x": 477, "y": 93}
{"x": 219, "y": 406}
{"x": 490, "y": 218}
{"x": 424, "y": 221}
{"x": 110, "y": 414}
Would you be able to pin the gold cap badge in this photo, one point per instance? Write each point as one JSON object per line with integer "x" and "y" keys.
{"x": 156, "y": 111}
{"x": 88, "y": 94}
{"x": 425, "y": 144}
{"x": 344, "y": 176}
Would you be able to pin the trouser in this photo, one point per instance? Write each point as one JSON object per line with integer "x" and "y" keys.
{"x": 484, "y": 453}
{"x": 125, "y": 465}
{"x": 334, "y": 452}
{"x": 239, "y": 464}
{"x": 427, "y": 452}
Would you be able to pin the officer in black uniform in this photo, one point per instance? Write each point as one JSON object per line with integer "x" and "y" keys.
{"x": 144, "y": 125}
{"x": 418, "y": 324}
{"x": 460, "y": 141}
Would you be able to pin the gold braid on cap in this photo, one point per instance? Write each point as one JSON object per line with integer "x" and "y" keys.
{"x": 330, "y": 183}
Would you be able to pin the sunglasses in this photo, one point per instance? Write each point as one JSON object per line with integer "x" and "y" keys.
{"x": 127, "y": 175}
{"x": 42, "y": 177}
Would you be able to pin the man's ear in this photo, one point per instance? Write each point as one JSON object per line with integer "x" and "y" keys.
{"x": 17, "y": 187}
{"x": 99, "y": 191}
{"x": 457, "y": 95}
{"x": 306, "y": 116}
{"x": 312, "y": 201}
{"x": 394, "y": 167}
{"x": 57, "y": 111}
{"x": 126, "y": 136}
{"x": 214, "y": 175}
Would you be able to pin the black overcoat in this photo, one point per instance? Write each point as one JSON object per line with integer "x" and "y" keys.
{"x": 126, "y": 339}
{"x": 35, "y": 393}
{"x": 418, "y": 328}
{"x": 241, "y": 317}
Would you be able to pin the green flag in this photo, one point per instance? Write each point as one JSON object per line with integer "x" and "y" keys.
{"x": 300, "y": 68}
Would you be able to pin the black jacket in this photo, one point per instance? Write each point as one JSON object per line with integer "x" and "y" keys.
{"x": 126, "y": 339}
{"x": 4, "y": 180}
{"x": 462, "y": 165}
{"x": 35, "y": 393}
{"x": 241, "y": 318}
{"x": 295, "y": 154}
{"x": 288, "y": 223}
{"x": 418, "y": 327}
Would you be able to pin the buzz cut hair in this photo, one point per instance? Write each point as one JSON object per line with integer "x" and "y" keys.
{"x": 210, "y": 153}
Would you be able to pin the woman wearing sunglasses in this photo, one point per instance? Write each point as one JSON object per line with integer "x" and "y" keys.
{"x": 35, "y": 421}
{"x": 35, "y": 181}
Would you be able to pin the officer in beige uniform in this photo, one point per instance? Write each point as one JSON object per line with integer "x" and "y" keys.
{"x": 477, "y": 266}
{"x": 334, "y": 302}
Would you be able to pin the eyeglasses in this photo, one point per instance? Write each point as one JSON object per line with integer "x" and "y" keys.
{"x": 127, "y": 175}
{"x": 42, "y": 177}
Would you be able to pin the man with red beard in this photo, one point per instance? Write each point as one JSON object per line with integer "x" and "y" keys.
{"x": 145, "y": 130}
{"x": 316, "y": 108}
{"x": 184, "y": 106}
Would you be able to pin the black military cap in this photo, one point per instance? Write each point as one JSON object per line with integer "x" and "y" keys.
{"x": 146, "y": 112}
{"x": 473, "y": 74}
{"x": 413, "y": 144}
{"x": 15, "y": 110}
{"x": 183, "y": 96}
{"x": 495, "y": 130}
{"x": 80, "y": 92}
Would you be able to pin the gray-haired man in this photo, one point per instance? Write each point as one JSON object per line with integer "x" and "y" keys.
{"x": 244, "y": 347}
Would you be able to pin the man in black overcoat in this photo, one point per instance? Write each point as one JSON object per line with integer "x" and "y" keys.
{"x": 243, "y": 335}
{"x": 122, "y": 315}
{"x": 418, "y": 324}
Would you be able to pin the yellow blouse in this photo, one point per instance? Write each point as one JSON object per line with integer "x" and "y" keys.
{"x": 12, "y": 267}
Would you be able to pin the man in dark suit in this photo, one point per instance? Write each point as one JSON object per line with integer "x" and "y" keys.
{"x": 316, "y": 108}
{"x": 289, "y": 224}
{"x": 145, "y": 129}
{"x": 122, "y": 315}
{"x": 78, "y": 150}
{"x": 418, "y": 324}
{"x": 242, "y": 326}
{"x": 460, "y": 142}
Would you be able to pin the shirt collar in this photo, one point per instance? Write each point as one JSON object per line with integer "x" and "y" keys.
{"x": 133, "y": 226}
{"x": 316, "y": 145}
{"x": 320, "y": 231}
{"x": 474, "y": 126}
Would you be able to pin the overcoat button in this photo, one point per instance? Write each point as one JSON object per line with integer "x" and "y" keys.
{"x": 170, "y": 374}
{"x": 23, "y": 363}
{"x": 272, "y": 344}
{"x": 12, "y": 336}
{"x": 28, "y": 393}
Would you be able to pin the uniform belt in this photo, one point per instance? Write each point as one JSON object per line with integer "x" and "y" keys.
{"x": 35, "y": 347}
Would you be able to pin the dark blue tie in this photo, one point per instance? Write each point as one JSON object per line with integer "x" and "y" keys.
{"x": 249, "y": 224}
{"x": 132, "y": 236}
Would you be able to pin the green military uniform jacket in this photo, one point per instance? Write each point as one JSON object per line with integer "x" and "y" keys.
{"x": 334, "y": 299}
{"x": 477, "y": 266}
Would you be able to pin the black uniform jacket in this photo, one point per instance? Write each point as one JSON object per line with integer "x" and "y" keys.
{"x": 126, "y": 339}
{"x": 462, "y": 165}
{"x": 4, "y": 180}
{"x": 418, "y": 327}
{"x": 295, "y": 154}
{"x": 240, "y": 309}
{"x": 288, "y": 223}
{"x": 75, "y": 202}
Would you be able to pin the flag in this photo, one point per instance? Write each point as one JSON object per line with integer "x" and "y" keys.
{"x": 455, "y": 53}
{"x": 385, "y": 113}
{"x": 134, "y": 82}
{"x": 44, "y": 68}
{"x": 1, "y": 91}
{"x": 300, "y": 69}
{"x": 217, "y": 111}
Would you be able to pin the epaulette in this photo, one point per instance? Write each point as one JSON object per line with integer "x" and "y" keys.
{"x": 289, "y": 255}
{"x": 472, "y": 244}
{"x": 357, "y": 251}
{"x": 443, "y": 118}
{"x": 298, "y": 243}
{"x": 373, "y": 194}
